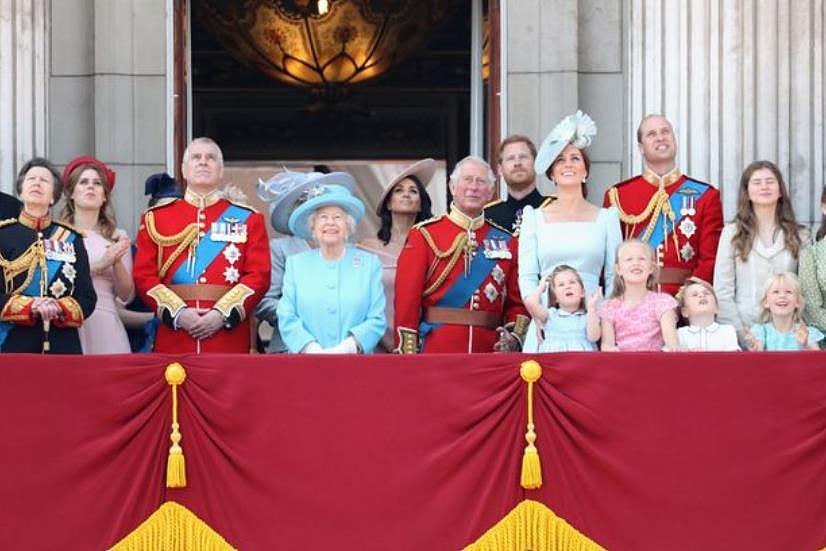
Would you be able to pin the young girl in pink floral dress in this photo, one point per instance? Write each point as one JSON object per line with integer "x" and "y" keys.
{"x": 637, "y": 317}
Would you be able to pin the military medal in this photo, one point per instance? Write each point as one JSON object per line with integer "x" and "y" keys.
{"x": 491, "y": 292}
{"x": 69, "y": 272}
{"x": 687, "y": 252}
{"x": 62, "y": 251}
{"x": 231, "y": 274}
{"x": 688, "y": 227}
{"x": 497, "y": 248}
{"x": 231, "y": 253}
{"x": 231, "y": 231}
{"x": 57, "y": 288}
{"x": 497, "y": 274}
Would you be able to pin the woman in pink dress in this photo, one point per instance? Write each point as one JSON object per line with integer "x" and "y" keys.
{"x": 404, "y": 202}
{"x": 89, "y": 184}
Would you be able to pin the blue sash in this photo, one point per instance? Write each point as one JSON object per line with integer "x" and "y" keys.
{"x": 463, "y": 288}
{"x": 33, "y": 289}
{"x": 693, "y": 189}
{"x": 207, "y": 249}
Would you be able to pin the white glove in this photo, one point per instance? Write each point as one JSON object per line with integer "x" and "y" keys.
{"x": 313, "y": 348}
{"x": 347, "y": 346}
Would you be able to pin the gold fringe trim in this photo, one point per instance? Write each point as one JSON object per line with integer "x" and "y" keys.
{"x": 173, "y": 527}
{"x": 175, "y": 375}
{"x": 531, "y": 477}
{"x": 531, "y": 525}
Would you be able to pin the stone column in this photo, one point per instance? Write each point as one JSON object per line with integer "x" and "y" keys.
{"x": 542, "y": 65}
{"x": 23, "y": 85}
{"x": 741, "y": 81}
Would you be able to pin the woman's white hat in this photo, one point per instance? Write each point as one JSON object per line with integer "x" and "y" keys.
{"x": 578, "y": 129}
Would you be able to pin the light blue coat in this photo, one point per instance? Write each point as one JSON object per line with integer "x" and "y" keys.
{"x": 327, "y": 301}
{"x": 280, "y": 249}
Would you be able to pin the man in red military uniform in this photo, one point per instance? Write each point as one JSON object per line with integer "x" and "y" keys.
{"x": 456, "y": 282}
{"x": 202, "y": 262}
{"x": 677, "y": 215}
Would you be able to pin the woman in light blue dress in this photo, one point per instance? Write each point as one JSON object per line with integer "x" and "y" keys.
{"x": 567, "y": 229}
{"x": 332, "y": 297}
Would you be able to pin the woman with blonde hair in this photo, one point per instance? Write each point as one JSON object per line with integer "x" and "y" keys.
{"x": 763, "y": 240}
{"x": 89, "y": 184}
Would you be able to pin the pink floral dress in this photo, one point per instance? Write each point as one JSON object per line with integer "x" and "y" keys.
{"x": 637, "y": 326}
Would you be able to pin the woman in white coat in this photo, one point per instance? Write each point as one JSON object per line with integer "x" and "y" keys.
{"x": 764, "y": 239}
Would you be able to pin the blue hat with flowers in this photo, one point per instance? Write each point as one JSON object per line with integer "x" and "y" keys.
{"x": 287, "y": 190}
{"x": 578, "y": 129}
{"x": 324, "y": 195}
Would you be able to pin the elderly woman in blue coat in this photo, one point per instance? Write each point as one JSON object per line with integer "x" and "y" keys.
{"x": 332, "y": 298}
{"x": 285, "y": 192}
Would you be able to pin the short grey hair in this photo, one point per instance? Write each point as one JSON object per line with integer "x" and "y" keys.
{"x": 207, "y": 141}
{"x": 348, "y": 219}
{"x": 457, "y": 170}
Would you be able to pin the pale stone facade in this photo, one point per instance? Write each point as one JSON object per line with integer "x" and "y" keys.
{"x": 741, "y": 80}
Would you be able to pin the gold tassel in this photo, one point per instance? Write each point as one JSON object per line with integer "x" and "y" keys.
{"x": 531, "y": 478}
{"x": 531, "y": 525}
{"x": 175, "y": 464}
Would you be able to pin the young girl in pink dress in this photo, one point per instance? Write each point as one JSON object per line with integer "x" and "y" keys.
{"x": 637, "y": 317}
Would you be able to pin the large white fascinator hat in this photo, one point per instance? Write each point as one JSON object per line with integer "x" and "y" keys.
{"x": 578, "y": 129}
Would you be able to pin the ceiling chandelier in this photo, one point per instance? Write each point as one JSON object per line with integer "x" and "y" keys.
{"x": 323, "y": 43}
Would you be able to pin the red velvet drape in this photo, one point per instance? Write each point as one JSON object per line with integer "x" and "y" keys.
{"x": 639, "y": 451}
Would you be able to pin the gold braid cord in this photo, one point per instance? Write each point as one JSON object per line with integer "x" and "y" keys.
{"x": 175, "y": 376}
{"x": 29, "y": 261}
{"x": 183, "y": 239}
{"x": 454, "y": 252}
{"x": 659, "y": 204}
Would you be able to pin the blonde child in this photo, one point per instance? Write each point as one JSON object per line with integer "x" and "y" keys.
{"x": 780, "y": 326}
{"x": 568, "y": 324}
{"x": 636, "y": 317}
{"x": 698, "y": 304}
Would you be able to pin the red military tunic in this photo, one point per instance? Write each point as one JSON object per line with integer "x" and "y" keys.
{"x": 194, "y": 252}
{"x": 432, "y": 261}
{"x": 694, "y": 219}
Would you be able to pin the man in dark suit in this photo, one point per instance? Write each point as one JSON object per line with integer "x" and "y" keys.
{"x": 9, "y": 206}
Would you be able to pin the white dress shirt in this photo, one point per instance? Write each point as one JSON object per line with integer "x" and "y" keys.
{"x": 717, "y": 337}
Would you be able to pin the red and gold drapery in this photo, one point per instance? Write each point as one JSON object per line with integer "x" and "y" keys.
{"x": 638, "y": 451}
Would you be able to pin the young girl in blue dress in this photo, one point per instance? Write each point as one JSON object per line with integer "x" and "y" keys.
{"x": 569, "y": 324}
{"x": 780, "y": 326}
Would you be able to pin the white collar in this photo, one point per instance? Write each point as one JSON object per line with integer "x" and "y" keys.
{"x": 711, "y": 328}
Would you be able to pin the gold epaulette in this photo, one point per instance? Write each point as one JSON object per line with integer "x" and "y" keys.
{"x": 424, "y": 223}
{"x": 550, "y": 199}
{"x": 7, "y": 222}
{"x": 494, "y": 203}
{"x": 498, "y": 227}
{"x": 627, "y": 180}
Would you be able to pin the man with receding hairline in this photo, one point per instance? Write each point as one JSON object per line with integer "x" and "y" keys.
{"x": 679, "y": 216}
{"x": 202, "y": 262}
